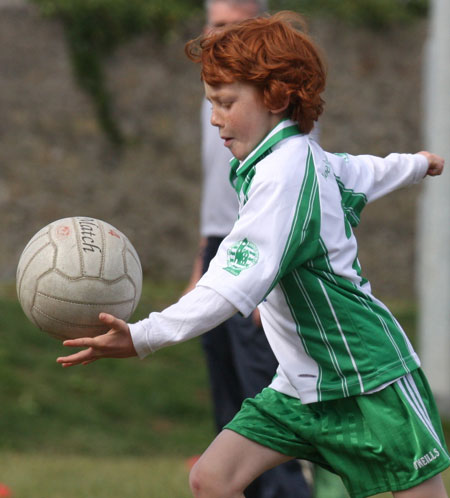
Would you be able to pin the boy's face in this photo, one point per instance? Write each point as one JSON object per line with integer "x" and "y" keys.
{"x": 241, "y": 116}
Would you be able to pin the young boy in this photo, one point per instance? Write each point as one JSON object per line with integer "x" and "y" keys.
{"x": 349, "y": 393}
{"x": 239, "y": 359}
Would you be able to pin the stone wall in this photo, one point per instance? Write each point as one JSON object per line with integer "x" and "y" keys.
{"x": 55, "y": 161}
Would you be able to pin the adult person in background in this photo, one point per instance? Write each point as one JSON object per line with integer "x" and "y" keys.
{"x": 239, "y": 359}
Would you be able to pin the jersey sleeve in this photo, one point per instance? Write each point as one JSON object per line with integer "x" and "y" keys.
{"x": 377, "y": 176}
{"x": 277, "y": 218}
{"x": 363, "y": 179}
{"x": 195, "y": 313}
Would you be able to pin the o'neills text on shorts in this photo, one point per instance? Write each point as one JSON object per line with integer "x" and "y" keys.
{"x": 426, "y": 459}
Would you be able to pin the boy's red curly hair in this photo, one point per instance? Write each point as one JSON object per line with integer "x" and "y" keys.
{"x": 272, "y": 52}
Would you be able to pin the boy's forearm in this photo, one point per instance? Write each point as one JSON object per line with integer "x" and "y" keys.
{"x": 401, "y": 170}
{"x": 195, "y": 313}
{"x": 375, "y": 176}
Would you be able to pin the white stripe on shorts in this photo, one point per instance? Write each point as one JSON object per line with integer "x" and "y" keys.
{"x": 412, "y": 395}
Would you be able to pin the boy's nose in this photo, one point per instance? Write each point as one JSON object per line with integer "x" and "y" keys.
{"x": 215, "y": 121}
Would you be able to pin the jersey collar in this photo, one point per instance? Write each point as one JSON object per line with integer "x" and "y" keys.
{"x": 239, "y": 169}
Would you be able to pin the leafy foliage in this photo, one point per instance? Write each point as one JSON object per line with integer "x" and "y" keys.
{"x": 95, "y": 28}
{"x": 376, "y": 14}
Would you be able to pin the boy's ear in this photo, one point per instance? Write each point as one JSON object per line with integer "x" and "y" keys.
{"x": 281, "y": 109}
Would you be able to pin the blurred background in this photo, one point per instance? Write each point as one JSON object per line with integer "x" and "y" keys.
{"x": 100, "y": 117}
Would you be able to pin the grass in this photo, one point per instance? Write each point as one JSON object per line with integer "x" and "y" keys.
{"x": 111, "y": 429}
{"x": 74, "y": 476}
{"x": 157, "y": 406}
{"x": 88, "y": 477}
{"x": 40, "y": 475}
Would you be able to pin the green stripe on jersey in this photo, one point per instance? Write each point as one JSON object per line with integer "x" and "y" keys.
{"x": 305, "y": 228}
{"x": 352, "y": 203}
{"x": 345, "y": 333}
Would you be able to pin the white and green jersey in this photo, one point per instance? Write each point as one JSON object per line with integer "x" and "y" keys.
{"x": 293, "y": 252}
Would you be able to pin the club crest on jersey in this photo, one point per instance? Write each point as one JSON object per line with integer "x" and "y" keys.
{"x": 241, "y": 256}
{"x": 325, "y": 168}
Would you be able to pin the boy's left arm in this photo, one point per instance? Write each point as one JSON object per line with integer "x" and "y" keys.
{"x": 435, "y": 163}
{"x": 374, "y": 177}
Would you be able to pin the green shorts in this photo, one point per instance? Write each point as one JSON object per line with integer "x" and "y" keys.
{"x": 390, "y": 440}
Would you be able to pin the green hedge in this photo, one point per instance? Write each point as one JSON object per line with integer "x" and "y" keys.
{"x": 378, "y": 14}
{"x": 95, "y": 28}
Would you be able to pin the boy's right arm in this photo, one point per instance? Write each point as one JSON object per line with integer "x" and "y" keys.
{"x": 195, "y": 313}
{"x": 116, "y": 343}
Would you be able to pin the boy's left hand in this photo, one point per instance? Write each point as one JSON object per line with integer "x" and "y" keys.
{"x": 435, "y": 163}
{"x": 116, "y": 343}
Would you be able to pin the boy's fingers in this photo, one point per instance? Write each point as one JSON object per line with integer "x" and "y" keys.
{"x": 111, "y": 321}
{"x": 86, "y": 355}
{"x": 82, "y": 342}
{"x": 69, "y": 364}
{"x": 113, "y": 344}
{"x": 106, "y": 318}
{"x": 89, "y": 361}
